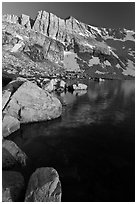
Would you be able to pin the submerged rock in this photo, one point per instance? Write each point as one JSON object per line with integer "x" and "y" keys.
{"x": 12, "y": 155}
{"x": 12, "y": 186}
{"x": 44, "y": 186}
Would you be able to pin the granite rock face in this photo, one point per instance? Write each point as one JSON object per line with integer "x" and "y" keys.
{"x": 10, "y": 89}
{"x": 25, "y": 21}
{"x": 30, "y": 103}
{"x": 44, "y": 186}
{"x": 9, "y": 125}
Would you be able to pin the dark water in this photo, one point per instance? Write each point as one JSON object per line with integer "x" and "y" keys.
{"x": 92, "y": 146}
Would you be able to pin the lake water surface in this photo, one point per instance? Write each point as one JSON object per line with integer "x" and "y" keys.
{"x": 92, "y": 146}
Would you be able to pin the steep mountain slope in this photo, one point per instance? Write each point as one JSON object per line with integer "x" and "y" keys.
{"x": 49, "y": 45}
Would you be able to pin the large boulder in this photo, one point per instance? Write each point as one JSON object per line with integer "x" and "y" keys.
{"x": 10, "y": 89}
{"x": 12, "y": 186}
{"x": 12, "y": 155}
{"x": 44, "y": 186}
{"x": 9, "y": 125}
{"x": 31, "y": 104}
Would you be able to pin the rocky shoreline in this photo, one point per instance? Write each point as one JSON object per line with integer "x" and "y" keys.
{"x": 23, "y": 101}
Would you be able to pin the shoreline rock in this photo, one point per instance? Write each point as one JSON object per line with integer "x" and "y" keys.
{"x": 12, "y": 186}
{"x": 9, "y": 125}
{"x": 12, "y": 155}
{"x": 44, "y": 186}
{"x": 29, "y": 103}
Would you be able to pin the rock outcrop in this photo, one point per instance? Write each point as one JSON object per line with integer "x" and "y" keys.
{"x": 44, "y": 186}
{"x": 25, "y": 21}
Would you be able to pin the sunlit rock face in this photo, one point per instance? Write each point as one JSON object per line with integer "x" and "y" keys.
{"x": 50, "y": 45}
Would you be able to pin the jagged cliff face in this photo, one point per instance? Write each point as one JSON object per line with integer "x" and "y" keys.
{"x": 50, "y": 44}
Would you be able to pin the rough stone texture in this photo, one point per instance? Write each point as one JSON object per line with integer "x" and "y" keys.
{"x": 61, "y": 31}
{"x": 10, "y": 89}
{"x": 30, "y": 103}
{"x": 53, "y": 27}
{"x": 25, "y": 21}
{"x": 5, "y": 97}
{"x": 12, "y": 186}
{"x": 12, "y": 155}
{"x": 35, "y": 45}
{"x": 44, "y": 186}
{"x": 41, "y": 22}
{"x": 10, "y": 18}
{"x": 9, "y": 125}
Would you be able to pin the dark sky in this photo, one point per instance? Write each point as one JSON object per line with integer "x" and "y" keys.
{"x": 105, "y": 14}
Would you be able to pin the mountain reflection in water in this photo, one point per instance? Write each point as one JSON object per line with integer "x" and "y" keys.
{"x": 91, "y": 145}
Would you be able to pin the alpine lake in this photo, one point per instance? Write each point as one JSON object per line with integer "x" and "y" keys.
{"x": 92, "y": 145}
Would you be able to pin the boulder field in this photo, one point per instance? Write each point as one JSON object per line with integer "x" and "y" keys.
{"x": 25, "y": 102}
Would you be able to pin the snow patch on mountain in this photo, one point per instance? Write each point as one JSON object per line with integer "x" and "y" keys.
{"x": 94, "y": 60}
{"x": 70, "y": 61}
{"x": 98, "y": 72}
{"x": 130, "y": 69}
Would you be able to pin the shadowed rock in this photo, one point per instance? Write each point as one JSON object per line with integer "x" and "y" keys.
{"x": 44, "y": 186}
{"x": 12, "y": 155}
{"x": 12, "y": 186}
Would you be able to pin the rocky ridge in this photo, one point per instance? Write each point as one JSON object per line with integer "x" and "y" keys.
{"x": 57, "y": 45}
